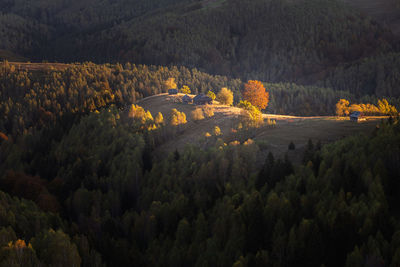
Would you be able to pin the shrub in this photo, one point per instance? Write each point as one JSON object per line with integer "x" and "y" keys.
{"x": 208, "y": 111}
{"x": 177, "y": 117}
{"x": 211, "y": 95}
{"x": 197, "y": 114}
{"x": 185, "y": 89}
{"x": 225, "y": 96}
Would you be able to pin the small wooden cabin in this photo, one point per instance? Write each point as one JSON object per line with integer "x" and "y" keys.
{"x": 172, "y": 91}
{"x": 202, "y": 99}
{"x": 355, "y": 116}
{"x": 187, "y": 99}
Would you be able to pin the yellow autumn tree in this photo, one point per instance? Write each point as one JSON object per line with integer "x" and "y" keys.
{"x": 225, "y": 96}
{"x": 250, "y": 115}
{"x": 342, "y": 107}
{"x": 170, "y": 83}
{"x": 185, "y": 89}
{"x": 159, "y": 118}
{"x": 177, "y": 117}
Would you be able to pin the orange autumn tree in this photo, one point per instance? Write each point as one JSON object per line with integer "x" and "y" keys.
{"x": 254, "y": 92}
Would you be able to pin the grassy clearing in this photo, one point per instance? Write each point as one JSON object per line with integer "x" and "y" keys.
{"x": 275, "y": 139}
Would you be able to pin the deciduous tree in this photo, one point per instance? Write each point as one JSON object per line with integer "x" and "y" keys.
{"x": 225, "y": 96}
{"x": 254, "y": 92}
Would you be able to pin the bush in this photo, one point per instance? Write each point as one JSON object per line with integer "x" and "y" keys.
{"x": 197, "y": 114}
{"x": 211, "y": 95}
{"x": 185, "y": 89}
{"x": 225, "y": 96}
{"x": 178, "y": 117}
{"x": 208, "y": 111}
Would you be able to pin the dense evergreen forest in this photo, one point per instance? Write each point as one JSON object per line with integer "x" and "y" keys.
{"x": 79, "y": 181}
{"x": 81, "y": 184}
{"x": 84, "y": 188}
{"x": 314, "y": 42}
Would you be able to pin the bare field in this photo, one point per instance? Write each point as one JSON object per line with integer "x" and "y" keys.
{"x": 275, "y": 139}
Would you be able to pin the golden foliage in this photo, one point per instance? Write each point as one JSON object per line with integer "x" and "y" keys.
{"x": 197, "y": 114}
{"x": 208, "y": 111}
{"x": 250, "y": 116}
{"x": 159, "y": 118}
{"x": 211, "y": 94}
{"x": 177, "y": 117}
{"x": 185, "y": 89}
{"x": 170, "y": 83}
{"x": 343, "y": 108}
{"x": 225, "y": 96}
{"x": 217, "y": 131}
{"x": 254, "y": 92}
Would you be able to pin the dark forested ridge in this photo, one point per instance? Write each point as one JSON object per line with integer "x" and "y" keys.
{"x": 306, "y": 42}
{"x": 82, "y": 182}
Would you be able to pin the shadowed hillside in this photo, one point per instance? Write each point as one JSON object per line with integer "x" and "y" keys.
{"x": 385, "y": 11}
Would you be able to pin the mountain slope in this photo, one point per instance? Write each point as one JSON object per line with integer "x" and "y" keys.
{"x": 270, "y": 40}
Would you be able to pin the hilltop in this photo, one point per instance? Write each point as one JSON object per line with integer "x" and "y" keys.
{"x": 274, "y": 138}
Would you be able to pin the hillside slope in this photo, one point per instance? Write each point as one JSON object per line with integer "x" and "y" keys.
{"x": 385, "y": 11}
{"x": 259, "y": 39}
{"x": 275, "y": 138}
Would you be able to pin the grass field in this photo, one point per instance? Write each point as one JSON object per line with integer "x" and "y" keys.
{"x": 275, "y": 139}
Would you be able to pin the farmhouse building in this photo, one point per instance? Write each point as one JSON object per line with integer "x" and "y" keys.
{"x": 355, "y": 116}
{"x": 202, "y": 99}
{"x": 187, "y": 99}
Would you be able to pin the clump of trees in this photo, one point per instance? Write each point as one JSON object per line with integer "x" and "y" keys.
{"x": 343, "y": 108}
{"x": 177, "y": 117}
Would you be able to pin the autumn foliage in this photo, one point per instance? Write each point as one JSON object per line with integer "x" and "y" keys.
{"x": 255, "y": 93}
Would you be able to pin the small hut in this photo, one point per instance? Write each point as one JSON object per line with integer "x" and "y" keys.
{"x": 202, "y": 99}
{"x": 187, "y": 99}
{"x": 172, "y": 91}
{"x": 355, "y": 116}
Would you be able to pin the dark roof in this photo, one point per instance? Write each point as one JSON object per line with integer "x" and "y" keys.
{"x": 202, "y": 98}
{"x": 355, "y": 114}
{"x": 186, "y": 98}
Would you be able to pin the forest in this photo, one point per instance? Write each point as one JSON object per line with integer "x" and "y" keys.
{"x": 81, "y": 183}
{"x": 269, "y": 40}
{"x": 79, "y": 179}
